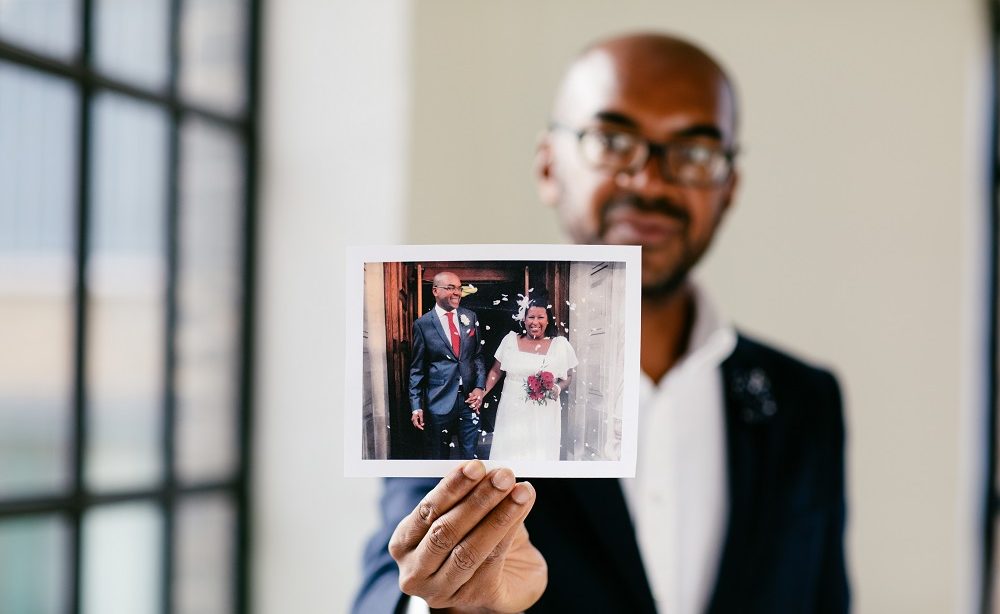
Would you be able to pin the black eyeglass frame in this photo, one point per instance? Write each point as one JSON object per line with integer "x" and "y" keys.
{"x": 657, "y": 149}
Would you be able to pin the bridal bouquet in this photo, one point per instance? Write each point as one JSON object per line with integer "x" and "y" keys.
{"x": 540, "y": 386}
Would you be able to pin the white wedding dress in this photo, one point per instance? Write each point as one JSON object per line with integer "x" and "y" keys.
{"x": 525, "y": 430}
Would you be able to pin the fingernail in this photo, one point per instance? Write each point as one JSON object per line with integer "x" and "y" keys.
{"x": 474, "y": 470}
{"x": 503, "y": 479}
{"x": 521, "y": 493}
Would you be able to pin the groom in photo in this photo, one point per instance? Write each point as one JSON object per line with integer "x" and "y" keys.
{"x": 447, "y": 373}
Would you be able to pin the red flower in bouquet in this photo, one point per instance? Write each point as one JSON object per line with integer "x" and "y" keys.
{"x": 540, "y": 387}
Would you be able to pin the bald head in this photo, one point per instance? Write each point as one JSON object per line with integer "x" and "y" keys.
{"x": 649, "y": 65}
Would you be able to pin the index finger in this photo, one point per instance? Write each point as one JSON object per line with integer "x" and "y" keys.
{"x": 449, "y": 491}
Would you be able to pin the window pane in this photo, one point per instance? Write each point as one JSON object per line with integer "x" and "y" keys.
{"x": 208, "y": 314}
{"x": 204, "y": 574}
{"x": 34, "y": 565}
{"x": 37, "y": 191}
{"x": 132, "y": 41}
{"x": 126, "y": 279}
{"x": 213, "y": 53}
{"x": 122, "y": 553}
{"x": 46, "y": 26}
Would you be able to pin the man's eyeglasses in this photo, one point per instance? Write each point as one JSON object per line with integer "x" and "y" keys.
{"x": 690, "y": 163}
{"x": 449, "y": 288}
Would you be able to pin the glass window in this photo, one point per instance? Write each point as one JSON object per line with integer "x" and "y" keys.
{"x": 34, "y": 557}
{"x": 44, "y": 26}
{"x": 209, "y": 275}
{"x": 37, "y": 190}
{"x": 126, "y": 277}
{"x": 205, "y": 530}
{"x": 213, "y": 51}
{"x": 132, "y": 41}
{"x": 122, "y": 551}
{"x": 124, "y": 209}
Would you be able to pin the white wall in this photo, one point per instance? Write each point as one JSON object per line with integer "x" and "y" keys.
{"x": 335, "y": 136}
{"x": 851, "y": 241}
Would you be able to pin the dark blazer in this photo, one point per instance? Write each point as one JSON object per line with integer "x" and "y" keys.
{"x": 784, "y": 545}
{"x": 434, "y": 368}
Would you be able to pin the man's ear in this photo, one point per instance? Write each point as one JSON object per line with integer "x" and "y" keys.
{"x": 731, "y": 186}
{"x": 549, "y": 190}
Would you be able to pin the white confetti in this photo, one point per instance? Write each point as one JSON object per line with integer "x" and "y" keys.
{"x": 444, "y": 430}
{"x": 451, "y": 445}
{"x": 496, "y": 302}
{"x": 548, "y": 306}
{"x": 530, "y": 290}
{"x": 487, "y": 326}
{"x": 483, "y": 342}
{"x": 486, "y": 405}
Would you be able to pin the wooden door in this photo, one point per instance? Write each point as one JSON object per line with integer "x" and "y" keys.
{"x": 595, "y": 420}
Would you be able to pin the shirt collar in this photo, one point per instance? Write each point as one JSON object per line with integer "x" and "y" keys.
{"x": 441, "y": 312}
{"x": 712, "y": 340}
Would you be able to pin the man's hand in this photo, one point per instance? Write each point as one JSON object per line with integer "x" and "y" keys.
{"x": 475, "y": 399}
{"x": 465, "y": 545}
{"x": 417, "y": 418}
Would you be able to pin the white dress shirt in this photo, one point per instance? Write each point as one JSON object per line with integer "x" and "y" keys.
{"x": 679, "y": 499}
{"x": 443, "y": 319}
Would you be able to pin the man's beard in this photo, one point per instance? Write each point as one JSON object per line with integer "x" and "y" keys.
{"x": 673, "y": 281}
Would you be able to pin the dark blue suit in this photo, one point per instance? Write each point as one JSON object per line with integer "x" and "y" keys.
{"x": 435, "y": 373}
{"x": 784, "y": 545}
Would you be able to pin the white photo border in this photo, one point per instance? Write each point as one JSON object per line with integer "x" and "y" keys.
{"x": 357, "y": 256}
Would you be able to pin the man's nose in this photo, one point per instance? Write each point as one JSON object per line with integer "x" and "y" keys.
{"x": 651, "y": 180}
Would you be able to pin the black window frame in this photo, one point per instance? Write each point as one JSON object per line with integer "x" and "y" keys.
{"x": 90, "y": 81}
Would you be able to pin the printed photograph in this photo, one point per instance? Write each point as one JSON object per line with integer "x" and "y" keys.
{"x": 514, "y": 359}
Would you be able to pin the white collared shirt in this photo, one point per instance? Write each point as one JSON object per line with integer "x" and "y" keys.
{"x": 443, "y": 319}
{"x": 679, "y": 500}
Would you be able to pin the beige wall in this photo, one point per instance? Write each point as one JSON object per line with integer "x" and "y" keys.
{"x": 852, "y": 241}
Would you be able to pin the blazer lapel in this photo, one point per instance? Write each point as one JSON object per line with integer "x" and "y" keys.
{"x": 601, "y": 501}
{"x": 747, "y": 417}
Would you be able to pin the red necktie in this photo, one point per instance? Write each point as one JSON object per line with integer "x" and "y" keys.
{"x": 455, "y": 339}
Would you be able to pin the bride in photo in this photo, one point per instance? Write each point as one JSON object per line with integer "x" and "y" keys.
{"x": 537, "y": 363}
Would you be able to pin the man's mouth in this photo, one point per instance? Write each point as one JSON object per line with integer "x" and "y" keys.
{"x": 631, "y": 224}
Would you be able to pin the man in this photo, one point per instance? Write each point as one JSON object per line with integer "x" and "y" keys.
{"x": 447, "y": 373}
{"x": 738, "y": 501}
